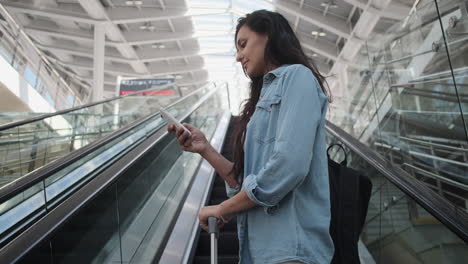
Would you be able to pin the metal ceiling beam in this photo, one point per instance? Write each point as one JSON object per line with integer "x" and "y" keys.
{"x": 136, "y": 38}
{"x": 69, "y": 14}
{"x": 161, "y": 55}
{"x": 325, "y": 49}
{"x": 394, "y": 10}
{"x": 109, "y": 69}
{"x": 139, "y": 38}
{"x": 109, "y": 55}
{"x": 335, "y": 25}
{"x": 71, "y": 34}
{"x": 133, "y": 38}
{"x": 97, "y": 11}
{"x": 173, "y": 69}
{"x": 122, "y": 15}
{"x": 320, "y": 47}
{"x": 124, "y": 71}
{"x": 361, "y": 31}
{"x": 149, "y": 55}
{"x": 116, "y": 15}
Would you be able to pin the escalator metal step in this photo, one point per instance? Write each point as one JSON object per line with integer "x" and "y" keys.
{"x": 219, "y": 193}
{"x": 215, "y": 201}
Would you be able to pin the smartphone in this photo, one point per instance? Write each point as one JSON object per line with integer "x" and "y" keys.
{"x": 170, "y": 119}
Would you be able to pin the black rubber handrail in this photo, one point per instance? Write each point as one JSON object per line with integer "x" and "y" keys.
{"x": 13, "y": 188}
{"x": 450, "y": 215}
{"x": 61, "y": 112}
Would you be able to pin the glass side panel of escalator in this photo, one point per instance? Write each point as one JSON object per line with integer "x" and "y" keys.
{"x": 131, "y": 219}
{"x": 397, "y": 229}
{"x": 411, "y": 103}
{"x": 27, "y": 147}
{"x": 22, "y": 209}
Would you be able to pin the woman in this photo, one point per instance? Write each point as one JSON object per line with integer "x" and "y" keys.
{"x": 278, "y": 182}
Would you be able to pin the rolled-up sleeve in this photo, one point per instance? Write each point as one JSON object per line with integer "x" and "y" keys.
{"x": 298, "y": 121}
{"x": 230, "y": 192}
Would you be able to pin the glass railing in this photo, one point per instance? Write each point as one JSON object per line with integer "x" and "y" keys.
{"x": 17, "y": 50}
{"x": 9, "y": 117}
{"x": 27, "y": 147}
{"x": 129, "y": 221}
{"x": 398, "y": 229}
{"x": 410, "y": 98}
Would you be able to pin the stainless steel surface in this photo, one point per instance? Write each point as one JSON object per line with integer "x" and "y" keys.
{"x": 214, "y": 248}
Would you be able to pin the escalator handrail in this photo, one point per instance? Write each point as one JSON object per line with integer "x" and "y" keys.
{"x": 450, "y": 215}
{"x": 15, "y": 187}
{"x": 65, "y": 111}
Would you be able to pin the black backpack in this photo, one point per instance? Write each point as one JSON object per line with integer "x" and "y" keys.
{"x": 349, "y": 198}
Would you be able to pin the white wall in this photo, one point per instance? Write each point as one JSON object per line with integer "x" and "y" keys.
{"x": 17, "y": 85}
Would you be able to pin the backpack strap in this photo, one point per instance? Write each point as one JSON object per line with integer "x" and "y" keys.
{"x": 345, "y": 161}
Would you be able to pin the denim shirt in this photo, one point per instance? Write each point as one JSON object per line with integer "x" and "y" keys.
{"x": 286, "y": 173}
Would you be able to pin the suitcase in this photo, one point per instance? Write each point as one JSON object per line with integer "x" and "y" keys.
{"x": 214, "y": 233}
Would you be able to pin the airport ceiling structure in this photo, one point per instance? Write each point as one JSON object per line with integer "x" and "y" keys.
{"x": 191, "y": 40}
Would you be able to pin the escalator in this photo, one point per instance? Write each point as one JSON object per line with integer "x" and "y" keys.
{"x": 110, "y": 198}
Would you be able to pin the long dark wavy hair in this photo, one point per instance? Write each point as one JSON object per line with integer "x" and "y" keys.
{"x": 282, "y": 47}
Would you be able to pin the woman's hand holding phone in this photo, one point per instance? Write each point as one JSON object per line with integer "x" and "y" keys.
{"x": 197, "y": 143}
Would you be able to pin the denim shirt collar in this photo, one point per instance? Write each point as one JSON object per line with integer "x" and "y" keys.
{"x": 271, "y": 75}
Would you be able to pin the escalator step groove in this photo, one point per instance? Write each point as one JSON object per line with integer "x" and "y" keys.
{"x": 219, "y": 192}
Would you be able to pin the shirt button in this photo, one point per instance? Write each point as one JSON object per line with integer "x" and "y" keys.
{"x": 272, "y": 209}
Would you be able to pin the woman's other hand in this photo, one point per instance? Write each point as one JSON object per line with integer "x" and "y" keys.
{"x": 196, "y": 143}
{"x": 215, "y": 211}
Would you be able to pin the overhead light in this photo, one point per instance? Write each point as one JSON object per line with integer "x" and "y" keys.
{"x": 133, "y": 2}
{"x": 314, "y": 55}
{"x": 319, "y": 33}
{"x": 147, "y": 26}
{"x": 158, "y": 46}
